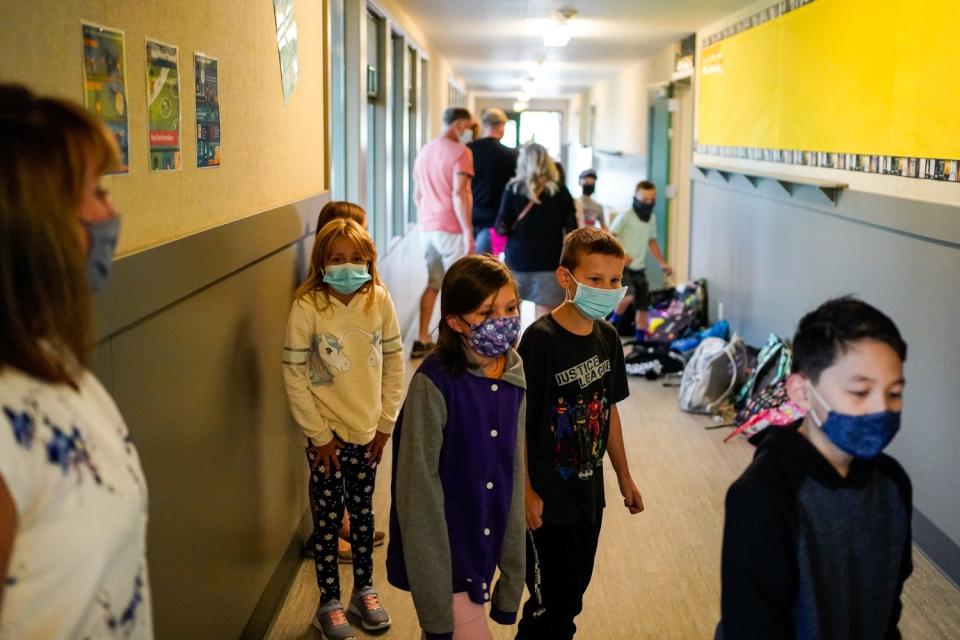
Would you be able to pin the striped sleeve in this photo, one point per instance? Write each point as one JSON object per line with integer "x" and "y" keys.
{"x": 296, "y": 378}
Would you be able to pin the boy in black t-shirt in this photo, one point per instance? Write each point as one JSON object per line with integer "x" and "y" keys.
{"x": 816, "y": 542}
{"x": 575, "y": 377}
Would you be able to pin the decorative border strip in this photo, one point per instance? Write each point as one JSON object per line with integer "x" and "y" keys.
{"x": 922, "y": 168}
{"x": 765, "y": 15}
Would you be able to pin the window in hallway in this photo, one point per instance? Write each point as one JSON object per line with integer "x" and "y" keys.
{"x": 414, "y": 135}
{"x": 510, "y": 133}
{"x": 338, "y": 103}
{"x": 399, "y": 86}
{"x": 542, "y": 127}
{"x": 376, "y": 130}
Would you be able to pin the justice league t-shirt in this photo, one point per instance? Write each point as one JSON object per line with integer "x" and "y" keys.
{"x": 572, "y": 383}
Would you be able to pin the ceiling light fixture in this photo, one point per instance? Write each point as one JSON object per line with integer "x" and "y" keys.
{"x": 519, "y": 106}
{"x": 558, "y": 34}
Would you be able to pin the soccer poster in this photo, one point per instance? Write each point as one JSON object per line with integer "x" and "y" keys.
{"x": 206, "y": 74}
{"x": 105, "y": 86}
{"x": 287, "y": 45}
{"x": 163, "y": 106}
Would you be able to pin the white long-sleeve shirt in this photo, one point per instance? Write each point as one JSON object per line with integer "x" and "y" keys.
{"x": 343, "y": 367}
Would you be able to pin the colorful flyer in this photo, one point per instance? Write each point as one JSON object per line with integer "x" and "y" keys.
{"x": 287, "y": 44}
{"x": 163, "y": 106}
{"x": 105, "y": 84}
{"x": 206, "y": 74}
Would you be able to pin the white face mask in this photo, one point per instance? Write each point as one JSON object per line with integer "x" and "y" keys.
{"x": 466, "y": 136}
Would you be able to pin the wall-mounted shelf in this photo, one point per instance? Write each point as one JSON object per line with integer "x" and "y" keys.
{"x": 787, "y": 182}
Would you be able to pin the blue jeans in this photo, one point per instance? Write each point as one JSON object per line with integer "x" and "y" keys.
{"x": 482, "y": 241}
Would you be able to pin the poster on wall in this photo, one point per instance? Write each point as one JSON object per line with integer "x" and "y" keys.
{"x": 206, "y": 76}
{"x": 105, "y": 85}
{"x": 287, "y": 45}
{"x": 163, "y": 106}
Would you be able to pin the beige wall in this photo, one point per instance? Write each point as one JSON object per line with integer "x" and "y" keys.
{"x": 272, "y": 153}
{"x": 621, "y": 103}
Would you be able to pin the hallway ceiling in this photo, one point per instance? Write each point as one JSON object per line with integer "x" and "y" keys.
{"x": 493, "y": 44}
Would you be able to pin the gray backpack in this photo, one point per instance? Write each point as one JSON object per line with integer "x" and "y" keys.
{"x": 710, "y": 376}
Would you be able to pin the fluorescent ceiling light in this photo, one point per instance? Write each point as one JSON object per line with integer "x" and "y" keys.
{"x": 557, "y": 35}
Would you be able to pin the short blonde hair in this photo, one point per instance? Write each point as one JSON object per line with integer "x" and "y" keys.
{"x": 50, "y": 147}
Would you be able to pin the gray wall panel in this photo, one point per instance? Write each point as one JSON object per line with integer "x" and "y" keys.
{"x": 190, "y": 338}
{"x": 200, "y": 385}
{"x": 770, "y": 259}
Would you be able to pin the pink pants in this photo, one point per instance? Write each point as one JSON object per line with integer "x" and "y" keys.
{"x": 469, "y": 619}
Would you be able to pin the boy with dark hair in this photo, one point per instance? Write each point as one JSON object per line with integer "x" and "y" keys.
{"x": 817, "y": 536}
{"x": 572, "y": 421}
{"x": 636, "y": 228}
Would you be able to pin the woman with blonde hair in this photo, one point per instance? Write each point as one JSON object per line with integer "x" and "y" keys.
{"x": 73, "y": 502}
{"x": 536, "y": 212}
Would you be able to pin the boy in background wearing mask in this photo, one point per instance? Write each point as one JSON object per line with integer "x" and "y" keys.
{"x": 817, "y": 536}
{"x": 636, "y": 229}
{"x": 577, "y": 377}
{"x": 589, "y": 211}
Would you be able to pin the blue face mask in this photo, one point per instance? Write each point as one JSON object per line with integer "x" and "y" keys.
{"x": 103, "y": 242}
{"x": 346, "y": 278}
{"x": 594, "y": 303}
{"x": 861, "y": 436}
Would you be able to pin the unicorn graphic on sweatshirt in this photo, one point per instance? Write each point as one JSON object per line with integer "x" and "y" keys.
{"x": 326, "y": 358}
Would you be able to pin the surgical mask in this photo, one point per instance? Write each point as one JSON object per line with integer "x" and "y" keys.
{"x": 466, "y": 136}
{"x": 643, "y": 209}
{"x": 594, "y": 303}
{"x": 103, "y": 237}
{"x": 860, "y": 436}
{"x": 494, "y": 336}
{"x": 588, "y": 189}
{"x": 346, "y": 278}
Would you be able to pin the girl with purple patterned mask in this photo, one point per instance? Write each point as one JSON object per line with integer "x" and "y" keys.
{"x": 461, "y": 433}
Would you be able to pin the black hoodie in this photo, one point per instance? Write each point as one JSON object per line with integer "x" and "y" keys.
{"x": 809, "y": 554}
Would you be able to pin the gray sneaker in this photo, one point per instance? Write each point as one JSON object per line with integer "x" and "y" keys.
{"x": 365, "y": 604}
{"x": 332, "y": 622}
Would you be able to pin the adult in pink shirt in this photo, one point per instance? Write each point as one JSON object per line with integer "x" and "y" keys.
{"x": 442, "y": 193}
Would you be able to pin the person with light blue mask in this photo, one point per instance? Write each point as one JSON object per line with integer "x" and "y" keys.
{"x": 576, "y": 375}
{"x": 343, "y": 372}
{"x": 73, "y": 498}
{"x": 817, "y": 540}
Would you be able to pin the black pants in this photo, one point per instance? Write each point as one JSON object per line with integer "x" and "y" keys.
{"x": 351, "y": 486}
{"x": 562, "y": 555}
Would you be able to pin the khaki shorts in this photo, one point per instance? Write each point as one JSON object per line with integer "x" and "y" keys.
{"x": 441, "y": 249}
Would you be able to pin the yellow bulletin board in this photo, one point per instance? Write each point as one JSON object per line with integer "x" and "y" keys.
{"x": 877, "y": 77}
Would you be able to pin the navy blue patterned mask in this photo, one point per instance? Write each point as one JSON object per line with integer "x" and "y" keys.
{"x": 494, "y": 336}
{"x": 861, "y": 436}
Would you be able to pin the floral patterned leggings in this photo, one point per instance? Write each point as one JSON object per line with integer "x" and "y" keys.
{"x": 351, "y": 486}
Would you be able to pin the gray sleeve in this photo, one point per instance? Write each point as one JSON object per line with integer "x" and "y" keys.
{"x": 509, "y": 589}
{"x": 420, "y": 506}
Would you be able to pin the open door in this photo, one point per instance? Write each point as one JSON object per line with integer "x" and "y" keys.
{"x": 658, "y": 172}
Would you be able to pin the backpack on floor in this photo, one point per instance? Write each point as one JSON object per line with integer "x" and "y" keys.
{"x": 770, "y": 407}
{"x": 710, "y": 376}
{"x": 653, "y": 361}
{"x": 685, "y": 312}
{"x": 773, "y": 365}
